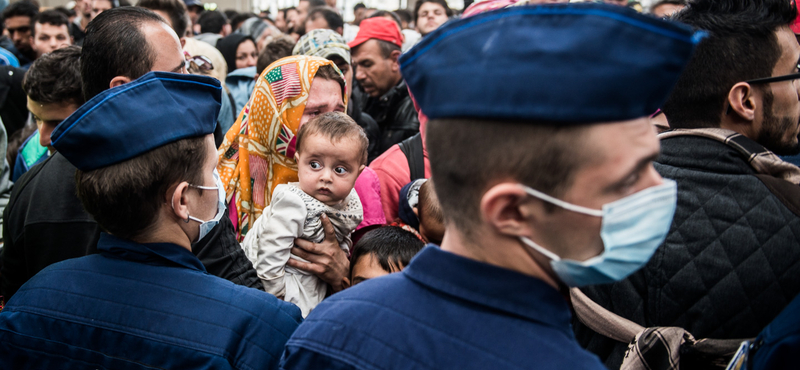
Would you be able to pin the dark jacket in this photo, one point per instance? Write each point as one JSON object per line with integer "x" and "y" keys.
{"x": 45, "y": 223}
{"x": 731, "y": 260}
{"x": 395, "y": 114}
{"x": 370, "y": 128}
{"x": 141, "y": 306}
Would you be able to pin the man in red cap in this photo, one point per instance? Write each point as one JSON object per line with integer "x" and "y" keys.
{"x": 383, "y": 93}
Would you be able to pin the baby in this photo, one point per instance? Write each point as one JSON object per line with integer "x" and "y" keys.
{"x": 331, "y": 153}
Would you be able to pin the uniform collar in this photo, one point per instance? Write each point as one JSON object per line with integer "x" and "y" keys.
{"x": 166, "y": 254}
{"x": 490, "y": 286}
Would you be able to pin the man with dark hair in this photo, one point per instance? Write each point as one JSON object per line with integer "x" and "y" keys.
{"x": 213, "y": 26}
{"x": 45, "y": 223}
{"x": 195, "y": 8}
{"x": 430, "y": 15}
{"x": 53, "y": 86}
{"x": 544, "y": 186}
{"x": 276, "y": 49}
{"x": 405, "y": 18}
{"x": 17, "y": 18}
{"x": 359, "y": 12}
{"x": 324, "y": 18}
{"x": 388, "y": 15}
{"x": 50, "y": 31}
{"x": 282, "y": 20}
{"x": 303, "y": 7}
{"x": 665, "y": 8}
{"x": 383, "y": 92}
{"x": 730, "y": 262}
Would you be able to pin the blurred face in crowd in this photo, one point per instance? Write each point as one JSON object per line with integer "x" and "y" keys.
{"x": 616, "y": 2}
{"x": 376, "y": 74}
{"x": 359, "y": 15}
{"x": 291, "y": 19}
{"x": 19, "y": 29}
{"x": 48, "y": 37}
{"x": 430, "y": 16}
{"x": 246, "y": 54}
{"x": 317, "y": 22}
{"x": 347, "y": 71}
{"x": 84, "y": 8}
{"x": 619, "y": 163}
{"x": 48, "y": 116}
{"x": 327, "y": 170}
{"x": 302, "y": 12}
{"x": 665, "y": 10}
{"x": 99, "y": 6}
{"x": 780, "y": 126}
{"x": 280, "y": 22}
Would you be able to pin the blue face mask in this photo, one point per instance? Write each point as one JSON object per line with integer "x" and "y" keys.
{"x": 206, "y": 226}
{"x": 632, "y": 229}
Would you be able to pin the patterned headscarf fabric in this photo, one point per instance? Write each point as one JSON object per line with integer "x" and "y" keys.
{"x": 258, "y": 151}
{"x": 322, "y": 43}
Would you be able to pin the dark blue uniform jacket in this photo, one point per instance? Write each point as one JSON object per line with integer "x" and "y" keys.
{"x": 141, "y": 306}
{"x": 442, "y": 312}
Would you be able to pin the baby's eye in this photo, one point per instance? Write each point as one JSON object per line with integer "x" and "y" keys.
{"x": 315, "y": 165}
{"x": 340, "y": 170}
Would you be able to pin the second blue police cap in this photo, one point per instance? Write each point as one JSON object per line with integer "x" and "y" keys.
{"x": 129, "y": 120}
{"x": 566, "y": 64}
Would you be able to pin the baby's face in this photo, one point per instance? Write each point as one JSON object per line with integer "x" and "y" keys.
{"x": 328, "y": 170}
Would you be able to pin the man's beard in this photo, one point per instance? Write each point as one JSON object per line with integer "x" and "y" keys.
{"x": 773, "y": 130}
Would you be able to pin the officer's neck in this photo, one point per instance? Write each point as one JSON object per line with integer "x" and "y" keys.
{"x": 498, "y": 250}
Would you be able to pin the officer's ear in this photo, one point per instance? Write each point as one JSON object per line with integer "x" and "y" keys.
{"x": 507, "y": 209}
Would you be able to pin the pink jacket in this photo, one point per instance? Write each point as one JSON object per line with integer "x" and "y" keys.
{"x": 393, "y": 173}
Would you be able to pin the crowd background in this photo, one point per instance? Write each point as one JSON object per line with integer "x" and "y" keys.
{"x": 304, "y": 75}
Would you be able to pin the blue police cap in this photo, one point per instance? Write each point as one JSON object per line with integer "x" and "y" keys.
{"x": 565, "y": 64}
{"x": 124, "y": 122}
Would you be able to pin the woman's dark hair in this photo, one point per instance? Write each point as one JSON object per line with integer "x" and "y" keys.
{"x": 392, "y": 247}
{"x": 125, "y": 198}
{"x": 116, "y": 46}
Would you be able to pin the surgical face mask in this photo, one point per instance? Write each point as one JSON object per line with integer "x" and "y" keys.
{"x": 632, "y": 229}
{"x": 206, "y": 226}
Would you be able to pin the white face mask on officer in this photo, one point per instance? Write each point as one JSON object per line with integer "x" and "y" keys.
{"x": 206, "y": 226}
{"x": 632, "y": 229}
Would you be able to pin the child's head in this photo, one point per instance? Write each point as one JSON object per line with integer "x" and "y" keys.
{"x": 331, "y": 153}
{"x": 429, "y": 213}
{"x": 382, "y": 251}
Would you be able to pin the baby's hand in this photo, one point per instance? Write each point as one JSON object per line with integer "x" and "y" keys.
{"x": 326, "y": 259}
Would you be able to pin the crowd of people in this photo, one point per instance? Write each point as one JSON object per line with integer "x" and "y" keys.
{"x": 518, "y": 184}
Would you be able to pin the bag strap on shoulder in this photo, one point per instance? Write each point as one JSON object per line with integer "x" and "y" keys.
{"x": 412, "y": 148}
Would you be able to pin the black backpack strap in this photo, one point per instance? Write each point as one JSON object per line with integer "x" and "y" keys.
{"x": 412, "y": 148}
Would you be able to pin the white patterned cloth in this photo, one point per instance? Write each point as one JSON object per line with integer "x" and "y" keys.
{"x": 295, "y": 214}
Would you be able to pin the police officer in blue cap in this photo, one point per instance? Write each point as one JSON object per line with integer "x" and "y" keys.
{"x": 542, "y": 155}
{"x": 145, "y": 300}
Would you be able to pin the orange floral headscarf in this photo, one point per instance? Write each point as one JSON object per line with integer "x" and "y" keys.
{"x": 258, "y": 151}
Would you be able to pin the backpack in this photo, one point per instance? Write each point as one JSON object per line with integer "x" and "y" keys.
{"x": 412, "y": 148}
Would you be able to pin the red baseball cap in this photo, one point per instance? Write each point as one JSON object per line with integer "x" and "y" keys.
{"x": 377, "y": 28}
{"x": 796, "y": 24}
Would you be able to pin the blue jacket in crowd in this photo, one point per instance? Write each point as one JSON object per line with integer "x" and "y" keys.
{"x": 443, "y": 311}
{"x": 141, "y": 306}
